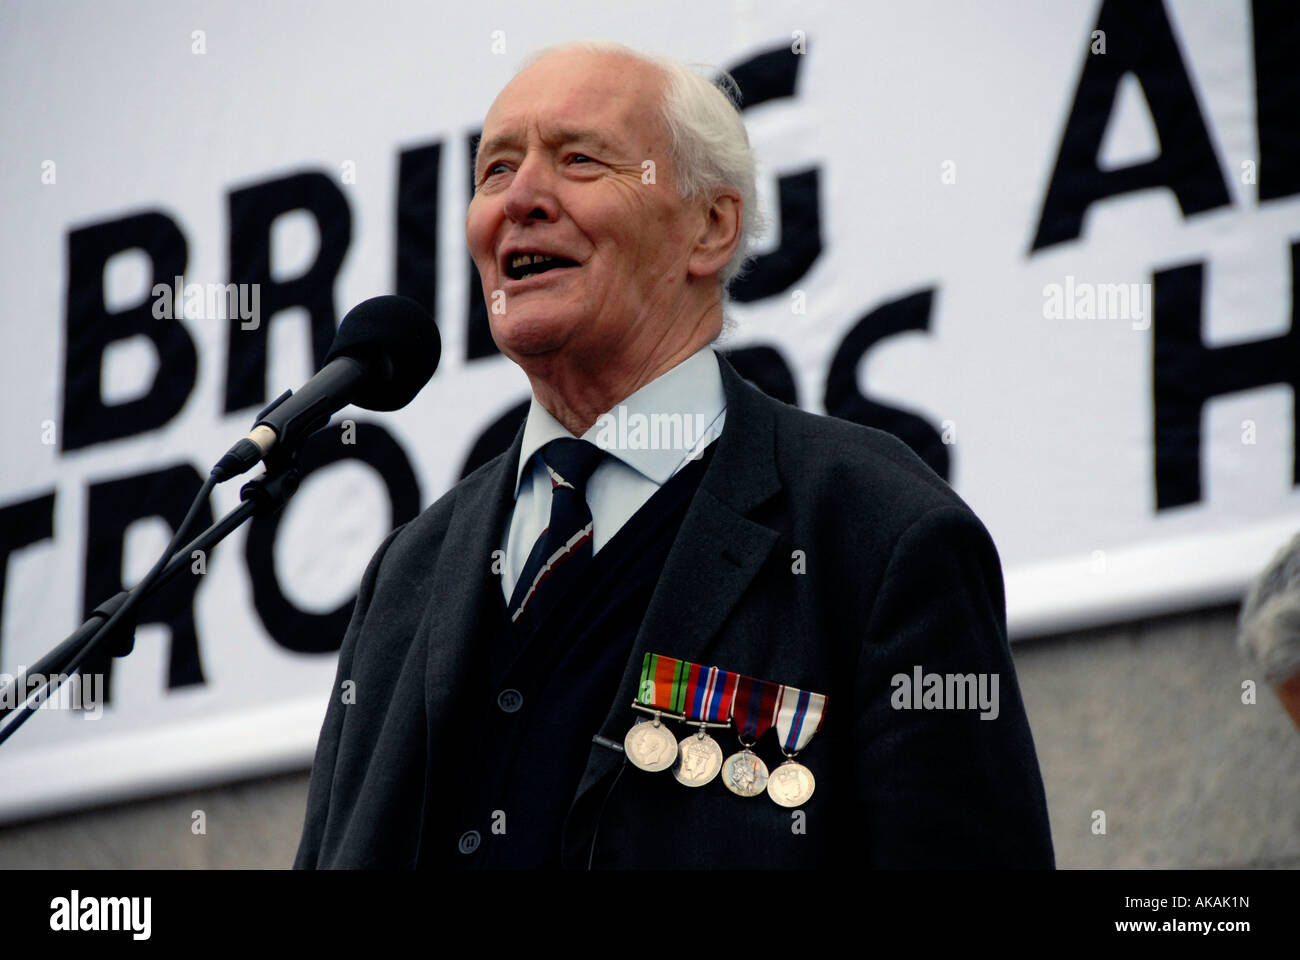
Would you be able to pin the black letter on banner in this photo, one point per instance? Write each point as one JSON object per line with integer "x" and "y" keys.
{"x": 771, "y": 76}
{"x": 765, "y": 368}
{"x": 843, "y": 399}
{"x": 1186, "y": 373}
{"x": 252, "y": 212}
{"x": 21, "y": 525}
{"x": 91, "y": 328}
{"x": 113, "y": 506}
{"x": 1140, "y": 41}
{"x": 295, "y": 629}
{"x": 478, "y": 331}
{"x": 1277, "y": 94}
{"x": 417, "y": 225}
{"x": 498, "y": 437}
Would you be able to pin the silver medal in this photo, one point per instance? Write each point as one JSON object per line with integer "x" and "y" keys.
{"x": 745, "y": 774}
{"x": 791, "y": 784}
{"x": 699, "y": 758}
{"x": 650, "y": 745}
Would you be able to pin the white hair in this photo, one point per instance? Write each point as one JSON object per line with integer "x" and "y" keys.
{"x": 707, "y": 141}
{"x": 1269, "y": 622}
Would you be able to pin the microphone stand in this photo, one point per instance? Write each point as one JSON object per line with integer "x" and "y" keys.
{"x": 263, "y": 495}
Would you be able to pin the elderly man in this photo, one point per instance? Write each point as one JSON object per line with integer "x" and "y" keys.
{"x": 780, "y": 569}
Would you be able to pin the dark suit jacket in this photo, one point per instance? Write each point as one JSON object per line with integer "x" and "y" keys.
{"x": 816, "y": 553}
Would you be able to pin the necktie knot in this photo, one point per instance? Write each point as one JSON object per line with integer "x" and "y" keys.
{"x": 570, "y": 462}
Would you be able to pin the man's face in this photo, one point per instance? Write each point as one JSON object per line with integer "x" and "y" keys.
{"x": 560, "y": 172}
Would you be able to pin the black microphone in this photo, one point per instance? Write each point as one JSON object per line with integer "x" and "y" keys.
{"x": 384, "y": 353}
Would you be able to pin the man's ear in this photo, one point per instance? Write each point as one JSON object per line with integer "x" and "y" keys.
{"x": 718, "y": 236}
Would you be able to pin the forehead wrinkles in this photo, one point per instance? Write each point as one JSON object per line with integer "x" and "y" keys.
{"x": 553, "y": 134}
{"x": 623, "y": 113}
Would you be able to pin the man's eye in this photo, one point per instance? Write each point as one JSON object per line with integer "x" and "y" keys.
{"x": 575, "y": 158}
{"x": 493, "y": 169}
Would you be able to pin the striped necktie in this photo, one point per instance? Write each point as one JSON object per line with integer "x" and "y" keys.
{"x": 563, "y": 550}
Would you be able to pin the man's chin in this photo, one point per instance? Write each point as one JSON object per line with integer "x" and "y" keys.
{"x": 521, "y": 337}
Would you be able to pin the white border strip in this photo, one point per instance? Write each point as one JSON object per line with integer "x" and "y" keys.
{"x": 1146, "y": 580}
{"x": 147, "y": 763}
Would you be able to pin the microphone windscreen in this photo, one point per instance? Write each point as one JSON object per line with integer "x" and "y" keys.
{"x": 398, "y": 342}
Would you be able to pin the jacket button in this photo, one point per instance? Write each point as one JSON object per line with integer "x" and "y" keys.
{"x": 510, "y": 700}
{"x": 469, "y": 841}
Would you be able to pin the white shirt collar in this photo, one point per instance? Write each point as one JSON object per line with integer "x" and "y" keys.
{"x": 693, "y": 389}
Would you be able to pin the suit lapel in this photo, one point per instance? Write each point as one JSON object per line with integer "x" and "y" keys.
{"x": 461, "y": 578}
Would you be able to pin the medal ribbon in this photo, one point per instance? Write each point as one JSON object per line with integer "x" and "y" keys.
{"x": 798, "y": 716}
{"x": 753, "y": 707}
{"x": 664, "y": 683}
{"x": 709, "y": 692}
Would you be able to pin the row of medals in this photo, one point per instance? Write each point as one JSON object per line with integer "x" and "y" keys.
{"x": 697, "y": 759}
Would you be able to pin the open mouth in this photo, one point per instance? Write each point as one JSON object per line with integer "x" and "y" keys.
{"x": 522, "y": 265}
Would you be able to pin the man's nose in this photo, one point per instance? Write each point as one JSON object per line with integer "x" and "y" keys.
{"x": 530, "y": 195}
